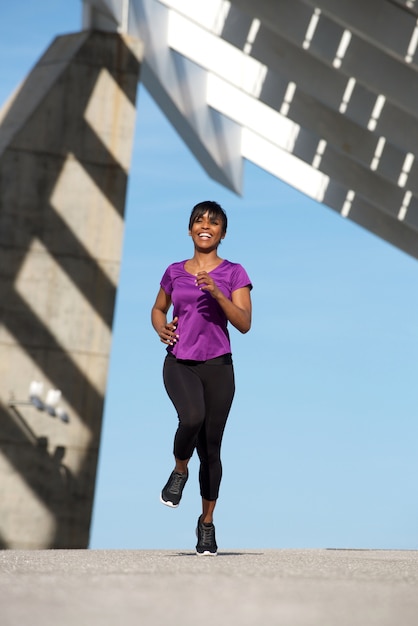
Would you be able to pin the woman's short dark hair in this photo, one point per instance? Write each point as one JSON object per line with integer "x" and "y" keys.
{"x": 213, "y": 209}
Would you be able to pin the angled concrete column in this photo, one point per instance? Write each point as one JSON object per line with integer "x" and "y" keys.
{"x": 65, "y": 146}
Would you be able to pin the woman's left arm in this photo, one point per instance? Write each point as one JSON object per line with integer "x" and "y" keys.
{"x": 237, "y": 310}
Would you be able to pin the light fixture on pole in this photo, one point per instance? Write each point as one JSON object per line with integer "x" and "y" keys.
{"x": 50, "y": 405}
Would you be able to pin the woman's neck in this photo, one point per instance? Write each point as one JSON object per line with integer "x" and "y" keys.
{"x": 204, "y": 261}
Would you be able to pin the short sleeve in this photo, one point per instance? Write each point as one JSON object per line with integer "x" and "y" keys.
{"x": 240, "y": 278}
{"x": 167, "y": 281}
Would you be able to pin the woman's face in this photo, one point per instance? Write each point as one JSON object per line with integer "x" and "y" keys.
{"x": 207, "y": 232}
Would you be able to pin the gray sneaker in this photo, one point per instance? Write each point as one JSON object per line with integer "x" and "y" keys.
{"x": 172, "y": 491}
{"x": 206, "y": 541}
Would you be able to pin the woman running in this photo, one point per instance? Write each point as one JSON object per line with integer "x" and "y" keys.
{"x": 206, "y": 292}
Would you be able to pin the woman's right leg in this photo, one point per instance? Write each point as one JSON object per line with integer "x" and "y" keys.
{"x": 185, "y": 390}
{"x": 186, "y": 393}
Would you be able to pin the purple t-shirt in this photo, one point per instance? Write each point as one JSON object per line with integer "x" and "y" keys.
{"x": 202, "y": 325}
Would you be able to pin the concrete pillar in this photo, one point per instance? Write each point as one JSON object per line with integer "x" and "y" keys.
{"x": 65, "y": 147}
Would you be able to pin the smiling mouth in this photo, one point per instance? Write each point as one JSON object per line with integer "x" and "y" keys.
{"x": 205, "y": 236}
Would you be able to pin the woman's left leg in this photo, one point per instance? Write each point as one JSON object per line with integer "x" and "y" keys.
{"x": 219, "y": 385}
{"x": 208, "y": 507}
{"x": 219, "y": 389}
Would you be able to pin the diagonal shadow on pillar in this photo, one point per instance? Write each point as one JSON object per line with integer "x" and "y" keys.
{"x": 65, "y": 145}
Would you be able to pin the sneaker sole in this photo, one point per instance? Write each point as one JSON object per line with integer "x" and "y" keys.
{"x": 168, "y": 503}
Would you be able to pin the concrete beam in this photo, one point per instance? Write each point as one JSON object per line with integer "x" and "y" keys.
{"x": 179, "y": 86}
{"x": 65, "y": 147}
{"x": 321, "y": 96}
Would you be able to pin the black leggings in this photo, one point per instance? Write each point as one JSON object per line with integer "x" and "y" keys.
{"x": 202, "y": 393}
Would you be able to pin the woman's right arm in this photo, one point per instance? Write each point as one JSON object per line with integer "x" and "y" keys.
{"x": 165, "y": 331}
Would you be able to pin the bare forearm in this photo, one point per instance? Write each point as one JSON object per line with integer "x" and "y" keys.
{"x": 158, "y": 319}
{"x": 165, "y": 330}
{"x": 238, "y": 317}
{"x": 237, "y": 310}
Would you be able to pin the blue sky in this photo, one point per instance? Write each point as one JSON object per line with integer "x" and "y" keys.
{"x": 320, "y": 449}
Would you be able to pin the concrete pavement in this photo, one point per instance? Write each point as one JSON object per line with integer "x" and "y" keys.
{"x": 245, "y": 588}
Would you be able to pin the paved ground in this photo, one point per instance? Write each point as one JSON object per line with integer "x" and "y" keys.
{"x": 257, "y": 588}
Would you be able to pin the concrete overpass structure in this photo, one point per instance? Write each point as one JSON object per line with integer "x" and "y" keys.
{"x": 320, "y": 94}
{"x": 321, "y": 97}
